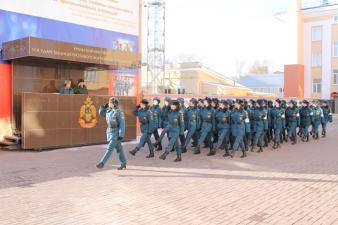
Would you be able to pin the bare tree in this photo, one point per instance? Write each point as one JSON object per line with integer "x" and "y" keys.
{"x": 260, "y": 67}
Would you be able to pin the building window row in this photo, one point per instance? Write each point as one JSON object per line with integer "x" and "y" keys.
{"x": 316, "y": 33}
{"x": 316, "y": 85}
{"x": 335, "y": 76}
{"x": 316, "y": 59}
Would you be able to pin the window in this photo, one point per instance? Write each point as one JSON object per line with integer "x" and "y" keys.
{"x": 335, "y": 49}
{"x": 316, "y": 59}
{"x": 316, "y": 85}
{"x": 316, "y": 33}
{"x": 335, "y": 76}
{"x": 90, "y": 76}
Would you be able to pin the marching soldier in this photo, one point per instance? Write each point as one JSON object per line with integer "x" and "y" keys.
{"x": 327, "y": 117}
{"x": 147, "y": 127}
{"x": 240, "y": 125}
{"x": 277, "y": 117}
{"x": 284, "y": 137}
{"x": 305, "y": 120}
{"x": 316, "y": 119}
{"x": 207, "y": 117}
{"x": 157, "y": 115}
{"x": 292, "y": 121}
{"x": 175, "y": 128}
{"x": 222, "y": 117}
{"x": 215, "y": 105}
{"x": 184, "y": 117}
{"x": 115, "y": 132}
{"x": 192, "y": 121}
{"x": 260, "y": 123}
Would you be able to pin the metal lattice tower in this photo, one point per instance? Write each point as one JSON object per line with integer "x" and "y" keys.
{"x": 156, "y": 46}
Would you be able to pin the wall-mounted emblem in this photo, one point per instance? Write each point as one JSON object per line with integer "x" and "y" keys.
{"x": 88, "y": 117}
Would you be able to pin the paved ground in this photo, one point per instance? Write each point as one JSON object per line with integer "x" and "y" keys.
{"x": 294, "y": 185}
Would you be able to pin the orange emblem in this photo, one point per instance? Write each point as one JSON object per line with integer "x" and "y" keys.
{"x": 88, "y": 114}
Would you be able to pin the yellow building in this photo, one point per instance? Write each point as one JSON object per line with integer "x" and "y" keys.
{"x": 318, "y": 47}
{"x": 196, "y": 79}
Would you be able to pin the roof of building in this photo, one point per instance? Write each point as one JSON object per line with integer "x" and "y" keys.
{"x": 263, "y": 80}
{"x": 236, "y": 85}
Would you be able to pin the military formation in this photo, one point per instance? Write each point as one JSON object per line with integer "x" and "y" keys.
{"x": 217, "y": 125}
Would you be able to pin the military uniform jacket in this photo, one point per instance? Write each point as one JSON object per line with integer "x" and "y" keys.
{"x": 223, "y": 117}
{"x": 157, "y": 115}
{"x": 277, "y": 117}
{"x": 292, "y": 116}
{"x": 164, "y": 116}
{"x": 207, "y": 117}
{"x": 146, "y": 120}
{"x": 305, "y": 116}
{"x": 317, "y": 114}
{"x": 240, "y": 122}
{"x": 183, "y": 112}
{"x": 193, "y": 119}
{"x": 175, "y": 122}
{"x": 327, "y": 115}
{"x": 115, "y": 121}
{"x": 260, "y": 119}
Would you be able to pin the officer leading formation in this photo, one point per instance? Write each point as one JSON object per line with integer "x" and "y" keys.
{"x": 216, "y": 124}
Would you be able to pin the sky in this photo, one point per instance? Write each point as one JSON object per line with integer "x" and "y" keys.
{"x": 221, "y": 33}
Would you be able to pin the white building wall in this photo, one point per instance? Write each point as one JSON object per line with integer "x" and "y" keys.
{"x": 326, "y": 57}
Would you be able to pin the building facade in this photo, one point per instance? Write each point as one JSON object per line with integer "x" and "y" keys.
{"x": 196, "y": 79}
{"x": 320, "y": 48}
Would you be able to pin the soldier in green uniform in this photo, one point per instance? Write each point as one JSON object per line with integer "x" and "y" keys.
{"x": 292, "y": 121}
{"x": 115, "y": 132}
{"x": 192, "y": 120}
{"x": 147, "y": 125}
{"x": 155, "y": 109}
{"x": 327, "y": 117}
{"x": 260, "y": 123}
{"x": 207, "y": 126}
{"x": 175, "y": 128}
{"x": 277, "y": 117}
{"x": 316, "y": 119}
{"x": 305, "y": 120}
{"x": 240, "y": 125}
{"x": 222, "y": 117}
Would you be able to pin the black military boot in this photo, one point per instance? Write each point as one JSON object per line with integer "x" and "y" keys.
{"x": 151, "y": 155}
{"x": 324, "y": 133}
{"x": 243, "y": 154}
{"x": 197, "y": 150}
{"x": 252, "y": 148}
{"x": 100, "y": 165}
{"x": 122, "y": 167}
{"x": 212, "y": 152}
{"x": 317, "y": 136}
{"x": 184, "y": 149}
{"x": 226, "y": 154}
{"x": 178, "y": 158}
{"x": 164, "y": 155}
{"x": 133, "y": 152}
{"x": 307, "y": 138}
{"x": 275, "y": 146}
{"x": 260, "y": 149}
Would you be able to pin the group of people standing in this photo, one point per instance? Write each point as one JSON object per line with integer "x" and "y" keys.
{"x": 224, "y": 124}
